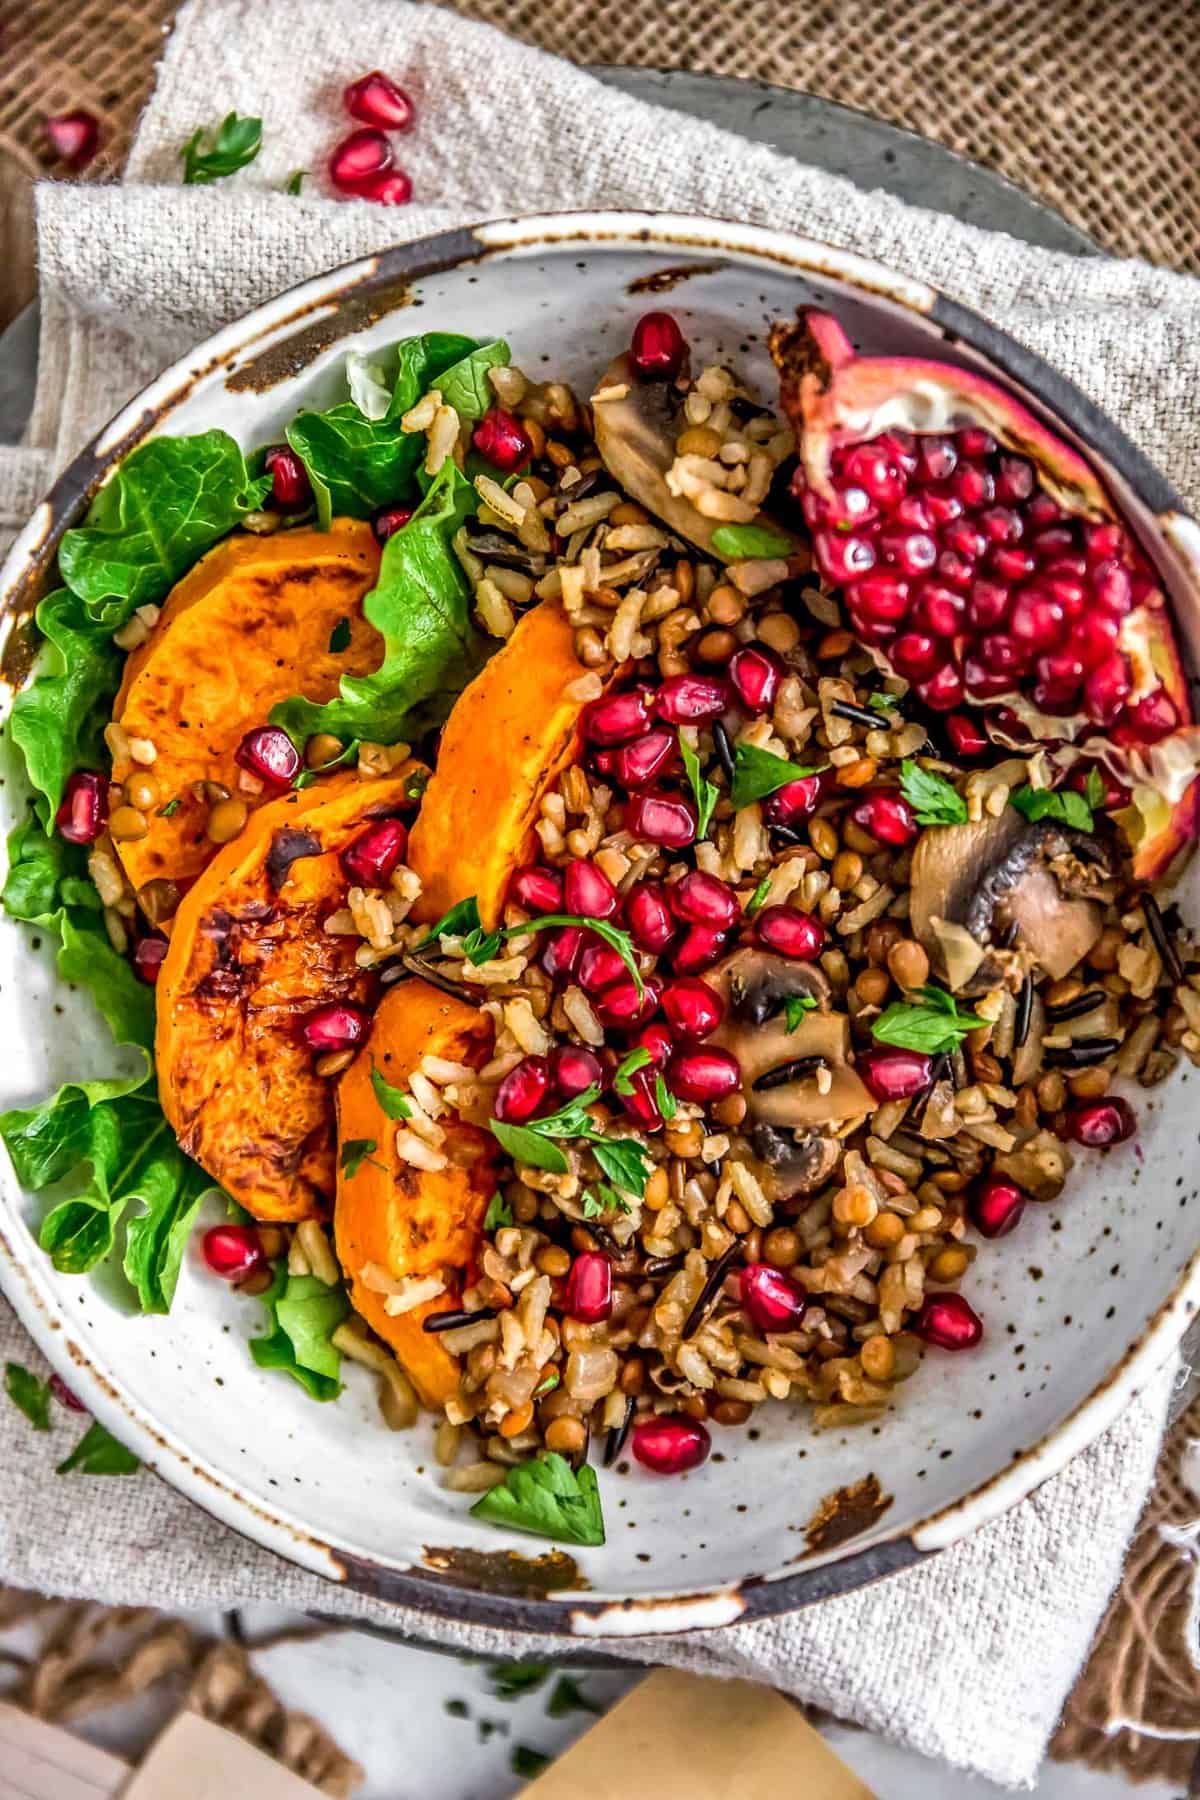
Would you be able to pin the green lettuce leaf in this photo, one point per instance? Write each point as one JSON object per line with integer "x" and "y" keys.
{"x": 422, "y": 608}
{"x": 57, "y": 721}
{"x": 303, "y": 1315}
{"x": 164, "y": 506}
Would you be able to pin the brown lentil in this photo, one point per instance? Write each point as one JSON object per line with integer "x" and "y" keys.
{"x": 158, "y": 899}
{"x": 731, "y": 1110}
{"x": 1051, "y": 1091}
{"x": 684, "y": 1137}
{"x": 552, "y": 1259}
{"x": 698, "y": 440}
{"x": 730, "y": 1412}
{"x": 781, "y": 1246}
{"x": 834, "y": 645}
{"x": 878, "y": 1358}
{"x": 725, "y": 606}
{"x": 857, "y": 774}
{"x": 884, "y": 1231}
{"x": 1090, "y": 1084}
{"x": 517, "y": 1421}
{"x": 779, "y": 632}
{"x": 926, "y": 1218}
{"x": 737, "y": 1218}
{"x": 332, "y": 1063}
{"x": 908, "y": 963}
{"x": 949, "y": 1263}
{"x": 226, "y": 820}
{"x": 847, "y": 870}
{"x": 320, "y": 749}
{"x": 854, "y": 1206}
{"x": 537, "y": 437}
{"x": 126, "y": 824}
{"x": 715, "y": 646}
{"x": 872, "y": 986}
{"x": 141, "y": 790}
{"x": 1104, "y": 952}
{"x": 566, "y": 1435}
{"x": 951, "y": 1181}
{"x": 823, "y": 838}
{"x": 683, "y": 580}
{"x": 882, "y": 937}
{"x": 855, "y": 838}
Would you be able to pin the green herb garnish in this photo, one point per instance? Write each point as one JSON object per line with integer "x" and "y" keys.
{"x": 547, "y": 1497}
{"x": 170, "y": 809}
{"x": 757, "y": 773}
{"x": 664, "y": 1099}
{"x": 209, "y": 156}
{"x": 1061, "y": 803}
{"x": 602, "y": 1197}
{"x": 512, "y": 1679}
{"x": 393, "y": 1101}
{"x": 795, "y": 1007}
{"x": 567, "y": 1697}
{"x": 733, "y": 542}
{"x": 354, "y": 1153}
{"x": 346, "y": 755}
{"x": 706, "y": 792}
{"x": 295, "y": 181}
{"x": 499, "y": 1213}
{"x": 29, "y": 1394}
{"x": 629, "y": 1065}
{"x": 99, "y": 1453}
{"x": 883, "y": 702}
{"x": 527, "y": 1762}
{"x": 624, "y": 1161}
{"x": 933, "y": 799}
{"x": 932, "y": 1024}
{"x": 620, "y": 940}
{"x": 754, "y": 904}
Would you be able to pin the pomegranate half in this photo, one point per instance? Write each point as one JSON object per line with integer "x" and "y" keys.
{"x": 982, "y": 560}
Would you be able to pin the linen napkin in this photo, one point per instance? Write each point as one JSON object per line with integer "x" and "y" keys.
{"x": 969, "y": 1656}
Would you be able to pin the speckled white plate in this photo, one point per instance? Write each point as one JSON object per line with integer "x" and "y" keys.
{"x": 1081, "y": 1306}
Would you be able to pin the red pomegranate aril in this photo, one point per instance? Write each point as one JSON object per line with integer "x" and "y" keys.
{"x": 375, "y": 852}
{"x": 393, "y": 189}
{"x": 502, "y": 440}
{"x": 336, "y": 1026}
{"x": 1062, "y": 670}
{"x": 948, "y": 1321}
{"x": 641, "y": 1102}
{"x": 996, "y": 1206}
{"x": 756, "y": 675}
{"x": 670, "y": 1444}
{"x": 914, "y": 511}
{"x": 966, "y": 734}
{"x": 770, "y": 1299}
{"x": 83, "y": 813}
{"x": 697, "y": 949}
{"x": 845, "y": 557}
{"x": 270, "y": 754}
{"x": 574, "y": 1069}
{"x": 620, "y": 1005}
{"x": 956, "y": 571}
{"x": 537, "y": 890}
{"x": 965, "y": 538}
{"x": 659, "y": 1040}
{"x": 1094, "y": 637}
{"x": 1011, "y": 562}
{"x": 1042, "y": 511}
{"x": 984, "y": 684}
{"x": 1056, "y": 540}
{"x": 894, "y": 1074}
{"x": 1115, "y": 792}
{"x": 148, "y": 955}
{"x": 916, "y": 655}
{"x": 974, "y": 441}
{"x": 385, "y": 524}
{"x": 358, "y": 159}
{"x": 987, "y": 604}
{"x": 937, "y": 458}
{"x": 999, "y": 525}
{"x": 650, "y": 919}
{"x": 975, "y": 486}
{"x": 232, "y": 1251}
{"x": 378, "y": 101}
{"x": 587, "y": 890}
{"x": 1037, "y": 619}
{"x": 560, "y": 957}
{"x": 883, "y": 597}
{"x": 704, "y": 1076}
{"x": 1103, "y": 541}
{"x": 1152, "y": 718}
{"x": 636, "y": 765}
{"x": 291, "y": 490}
{"x": 943, "y": 690}
{"x": 942, "y": 504}
{"x": 618, "y": 718}
{"x": 874, "y": 467}
{"x": 658, "y": 349}
{"x": 662, "y": 819}
{"x": 599, "y": 966}
{"x": 691, "y": 699}
{"x": 1098, "y": 1123}
{"x": 1015, "y": 480}
{"x": 63, "y": 1394}
{"x": 913, "y": 552}
{"x": 73, "y": 136}
{"x": 589, "y": 1295}
{"x": 1003, "y": 655}
{"x": 1112, "y": 587}
{"x": 887, "y": 816}
{"x": 938, "y": 611}
{"x": 799, "y": 935}
{"x": 794, "y": 800}
{"x": 522, "y": 1091}
{"x": 702, "y": 899}
{"x": 692, "y": 1007}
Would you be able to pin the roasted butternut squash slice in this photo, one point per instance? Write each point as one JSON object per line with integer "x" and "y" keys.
{"x": 250, "y": 625}
{"x": 249, "y": 959}
{"x": 512, "y": 731}
{"x": 393, "y": 1220}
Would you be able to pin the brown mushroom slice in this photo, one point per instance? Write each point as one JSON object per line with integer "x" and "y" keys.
{"x": 790, "y": 1164}
{"x": 635, "y": 428}
{"x": 755, "y": 985}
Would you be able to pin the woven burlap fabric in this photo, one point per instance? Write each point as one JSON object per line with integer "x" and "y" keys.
{"x": 1091, "y": 104}
{"x": 970, "y": 1656}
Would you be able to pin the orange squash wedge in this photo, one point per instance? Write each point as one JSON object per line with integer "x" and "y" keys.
{"x": 248, "y": 960}
{"x": 512, "y": 731}
{"x": 250, "y": 625}
{"x": 400, "y": 1220}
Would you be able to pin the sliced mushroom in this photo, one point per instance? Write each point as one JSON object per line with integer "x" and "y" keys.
{"x": 755, "y": 984}
{"x": 996, "y": 873}
{"x": 635, "y": 432}
{"x": 789, "y": 1164}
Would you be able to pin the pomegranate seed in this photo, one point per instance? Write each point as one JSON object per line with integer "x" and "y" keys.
{"x": 704, "y": 1076}
{"x": 83, "y": 813}
{"x": 148, "y": 955}
{"x": 662, "y": 819}
{"x": 63, "y": 1394}
{"x": 948, "y": 1321}
{"x": 1094, "y": 638}
{"x": 888, "y": 817}
{"x": 658, "y": 1040}
{"x": 658, "y": 348}
{"x": 621, "y": 1005}
{"x": 996, "y": 1206}
{"x": 794, "y": 800}
{"x": 393, "y": 189}
{"x": 792, "y": 933}
{"x": 522, "y": 1091}
{"x": 915, "y": 656}
{"x": 756, "y": 675}
{"x": 894, "y": 1074}
{"x": 599, "y": 966}
{"x": 690, "y": 699}
{"x": 589, "y": 1295}
{"x": 882, "y": 598}
{"x": 1000, "y": 525}
{"x": 269, "y": 754}
{"x": 537, "y": 890}
{"x": 636, "y": 765}
{"x": 375, "y": 852}
{"x": 1037, "y": 619}
{"x": 770, "y": 1300}
{"x": 1098, "y": 1123}
{"x": 360, "y": 158}
{"x": 913, "y": 511}
{"x": 1062, "y": 670}
{"x": 232, "y": 1251}
{"x": 573, "y": 1069}
{"x": 618, "y": 717}
{"x": 692, "y": 1007}
{"x": 956, "y": 570}
{"x": 846, "y": 557}
{"x": 588, "y": 892}
{"x": 560, "y": 957}
{"x": 987, "y": 604}
{"x": 1003, "y": 655}
{"x": 937, "y": 458}
{"x": 1152, "y": 718}
{"x": 939, "y": 610}
{"x": 942, "y": 504}
{"x": 649, "y": 917}
{"x": 291, "y": 490}
{"x": 335, "y": 1026}
{"x": 1015, "y": 481}
{"x": 698, "y": 948}
{"x": 874, "y": 467}
{"x": 669, "y": 1445}
{"x": 1011, "y": 563}
{"x": 914, "y": 552}
{"x": 641, "y": 1102}
{"x": 851, "y": 506}
{"x": 974, "y": 486}
{"x": 1106, "y": 690}
{"x": 972, "y": 441}
{"x": 942, "y": 691}
{"x": 503, "y": 440}
{"x": 376, "y": 100}
{"x": 1102, "y": 541}
{"x": 1112, "y": 587}
{"x": 1042, "y": 510}
{"x": 386, "y": 523}
{"x": 74, "y": 136}
{"x": 704, "y": 900}
{"x": 966, "y": 734}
